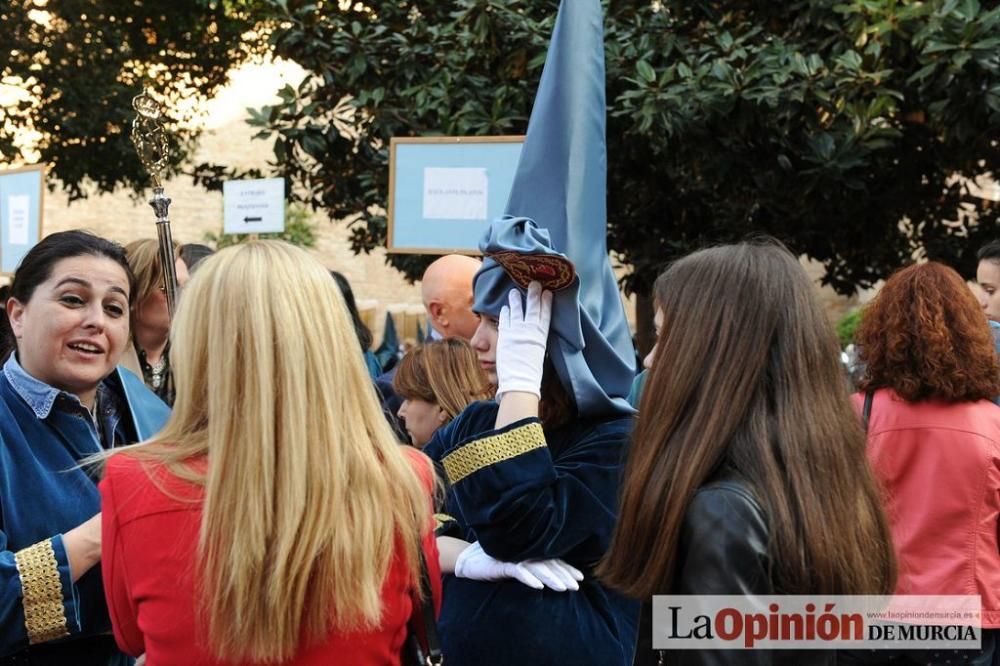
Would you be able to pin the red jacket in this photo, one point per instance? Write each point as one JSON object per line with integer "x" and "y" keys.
{"x": 149, "y": 543}
{"x": 939, "y": 467}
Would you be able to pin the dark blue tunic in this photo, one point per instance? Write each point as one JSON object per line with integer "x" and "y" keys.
{"x": 44, "y": 433}
{"x": 525, "y": 493}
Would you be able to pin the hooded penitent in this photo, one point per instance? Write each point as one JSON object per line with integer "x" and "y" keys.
{"x": 557, "y": 211}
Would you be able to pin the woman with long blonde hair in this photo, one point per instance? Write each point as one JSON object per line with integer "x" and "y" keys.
{"x": 274, "y": 518}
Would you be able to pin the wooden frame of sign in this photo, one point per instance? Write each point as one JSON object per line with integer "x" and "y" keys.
{"x": 494, "y": 156}
{"x": 7, "y": 267}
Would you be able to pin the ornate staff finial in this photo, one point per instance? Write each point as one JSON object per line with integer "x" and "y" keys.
{"x": 151, "y": 144}
{"x": 149, "y": 137}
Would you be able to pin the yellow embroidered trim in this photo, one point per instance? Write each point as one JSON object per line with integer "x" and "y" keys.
{"x": 481, "y": 453}
{"x": 442, "y": 518}
{"x": 41, "y": 588}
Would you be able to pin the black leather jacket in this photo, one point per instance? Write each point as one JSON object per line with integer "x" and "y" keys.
{"x": 722, "y": 551}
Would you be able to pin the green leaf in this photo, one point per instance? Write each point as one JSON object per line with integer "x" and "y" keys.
{"x": 948, "y": 7}
{"x": 824, "y": 145}
{"x": 314, "y": 144}
{"x": 922, "y": 73}
{"x": 939, "y": 47}
{"x": 850, "y": 60}
{"x": 990, "y": 44}
{"x": 968, "y": 9}
{"x": 646, "y": 71}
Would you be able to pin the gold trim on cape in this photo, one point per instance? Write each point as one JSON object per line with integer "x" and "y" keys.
{"x": 491, "y": 450}
{"x": 442, "y": 519}
{"x": 44, "y": 615}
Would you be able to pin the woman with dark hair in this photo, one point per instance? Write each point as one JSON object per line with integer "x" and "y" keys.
{"x": 62, "y": 400}
{"x": 364, "y": 335}
{"x": 193, "y": 254}
{"x": 746, "y": 473}
{"x": 437, "y": 380}
{"x": 934, "y": 440}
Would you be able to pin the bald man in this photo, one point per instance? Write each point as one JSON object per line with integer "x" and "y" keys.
{"x": 447, "y": 293}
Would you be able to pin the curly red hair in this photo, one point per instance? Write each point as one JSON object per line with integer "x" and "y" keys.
{"x": 925, "y": 337}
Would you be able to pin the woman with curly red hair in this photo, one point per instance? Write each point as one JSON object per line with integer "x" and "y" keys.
{"x": 934, "y": 440}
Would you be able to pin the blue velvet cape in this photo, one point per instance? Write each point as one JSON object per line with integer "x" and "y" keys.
{"x": 42, "y": 495}
{"x": 527, "y": 493}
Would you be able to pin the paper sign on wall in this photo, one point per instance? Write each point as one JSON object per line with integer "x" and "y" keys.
{"x": 21, "y": 192}
{"x": 253, "y": 206}
{"x": 444, "y": 191}
{"x": 455, "y": 193}
{"x": 18, "y": 210}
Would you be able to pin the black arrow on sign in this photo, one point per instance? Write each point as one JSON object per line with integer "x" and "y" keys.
{"x": 253, "y": 219}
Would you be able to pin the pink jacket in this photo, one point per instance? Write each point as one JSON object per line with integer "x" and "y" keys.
{"x": 939, "y": 467}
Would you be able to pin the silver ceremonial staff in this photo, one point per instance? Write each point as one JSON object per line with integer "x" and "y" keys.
{"x": 150, "y": 141}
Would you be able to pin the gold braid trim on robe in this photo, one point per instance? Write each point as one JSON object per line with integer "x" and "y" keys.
{"x": 441, "y": 519}
{"x": 44, "y": 616}
{"x": 481, "y": 453}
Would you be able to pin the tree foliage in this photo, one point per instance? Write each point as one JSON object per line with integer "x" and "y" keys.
{"x": 404, "y": 69}
{"x": 854, "y": 130}
{"x": 850, "y": 129}
{"x": 72, "y": 68}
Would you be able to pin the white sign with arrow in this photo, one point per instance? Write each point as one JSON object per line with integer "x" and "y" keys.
{"x": 253, "y": 206}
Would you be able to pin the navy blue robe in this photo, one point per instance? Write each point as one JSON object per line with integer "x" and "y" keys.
{"x": 525, "y": 493}
{"x": 43, "y": 493}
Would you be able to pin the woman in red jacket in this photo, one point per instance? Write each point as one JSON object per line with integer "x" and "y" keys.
{"x": 934, "y": 441}
{"x": 274, "y": 518}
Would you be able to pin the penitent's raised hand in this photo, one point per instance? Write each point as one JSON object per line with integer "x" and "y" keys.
{"x": 522, "y": 336}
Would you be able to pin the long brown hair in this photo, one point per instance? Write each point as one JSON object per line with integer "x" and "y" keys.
{"x": 925, "y": 336}
{"x": 746, "y": 377}
{"x": 444, "y": 372}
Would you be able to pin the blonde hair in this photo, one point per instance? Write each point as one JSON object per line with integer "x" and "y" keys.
{"x": 445, "y": 372}
{"x": 307, "y": 494}
{"x": 144, "y": 259}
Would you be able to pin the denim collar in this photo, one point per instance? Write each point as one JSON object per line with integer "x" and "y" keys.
{"x": 39, "y": 395}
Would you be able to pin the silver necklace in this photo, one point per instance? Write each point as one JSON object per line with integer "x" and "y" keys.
{"x": 156, "y": 372}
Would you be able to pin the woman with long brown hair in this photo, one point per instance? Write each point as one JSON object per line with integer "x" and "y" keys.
{"x": 934, "y": 440}
{"x": 746, "y": 473}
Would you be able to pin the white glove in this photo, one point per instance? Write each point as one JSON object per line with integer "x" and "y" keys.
{"x": 556, "y": 574}
{"x": 473, "y": 563}
{"x": 521, "y": 341}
